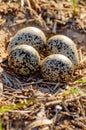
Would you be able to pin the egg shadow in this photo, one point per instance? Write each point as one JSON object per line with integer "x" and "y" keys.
{"x": 12, "y": 81}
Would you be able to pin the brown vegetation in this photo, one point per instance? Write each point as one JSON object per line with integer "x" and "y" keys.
{"x": 30, "y": 103}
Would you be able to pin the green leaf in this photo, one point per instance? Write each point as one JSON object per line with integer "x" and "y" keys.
{"x": 0, "y": 123}
{"x": 75, "y": 91}
{"x": 16, "y": 106}
{"x": 75, "y": 4}
{"x": 80, "y": 81}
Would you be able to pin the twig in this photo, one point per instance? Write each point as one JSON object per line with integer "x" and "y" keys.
{"x": 39, "y": 82}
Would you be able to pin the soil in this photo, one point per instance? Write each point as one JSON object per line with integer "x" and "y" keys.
{"x": 31, "y": 103}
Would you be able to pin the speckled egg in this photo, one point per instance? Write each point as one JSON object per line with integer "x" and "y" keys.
{"x": 24, "y": 60}
{"x": 60, "y": 44}
{"x": 31, "y": 36}
{"x": 57, "y": 67}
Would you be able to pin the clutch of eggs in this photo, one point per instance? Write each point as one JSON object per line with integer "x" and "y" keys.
{"x": 31, "y": 36}
{"x": 57, "y": 67}
{"x": 60, "y": 44}
{"x": 24, "y": 59}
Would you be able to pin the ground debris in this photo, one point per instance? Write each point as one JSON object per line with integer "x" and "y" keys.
{"x": 30, "y": 103}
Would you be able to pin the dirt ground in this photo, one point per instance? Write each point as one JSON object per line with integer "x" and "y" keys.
{"x": 31, "y": 103}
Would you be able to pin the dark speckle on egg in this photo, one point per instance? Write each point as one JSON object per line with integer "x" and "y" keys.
{"x": 60, "y": 44}
{"x": 24, "y": 60}
{"x": 31, "y": 36}
{"x": 57, "y": 67}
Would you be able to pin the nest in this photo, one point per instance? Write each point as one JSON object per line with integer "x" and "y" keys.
{"x": 30, "y": 103}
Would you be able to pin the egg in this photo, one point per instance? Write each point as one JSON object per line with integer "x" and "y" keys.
{"x": 60, "y": 44}
{"x": 24, "y": 60}
{"x": 57, "y": 68}
{"x": 31, "y": 36}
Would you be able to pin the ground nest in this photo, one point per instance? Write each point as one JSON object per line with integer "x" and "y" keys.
{"x": 32, "y": 103}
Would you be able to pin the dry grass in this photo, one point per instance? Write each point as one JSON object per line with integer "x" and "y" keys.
{"x": 30, "y": 103}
